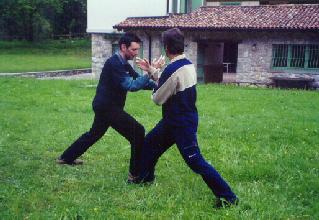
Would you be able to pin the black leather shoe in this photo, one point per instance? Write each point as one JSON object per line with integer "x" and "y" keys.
{"x": 131, "y": 179}
{"x": 74, "y": 162}
{"x": 149, "y": 179}
{"x": 224, "y": 203}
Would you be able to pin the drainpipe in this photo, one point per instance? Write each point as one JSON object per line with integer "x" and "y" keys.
{"x": 149, "y": 47}
{"x": 186, "y": 7}
{"x": 189, "y": 6}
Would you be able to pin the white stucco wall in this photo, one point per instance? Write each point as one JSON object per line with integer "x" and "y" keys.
{"x": 103, "y": 14}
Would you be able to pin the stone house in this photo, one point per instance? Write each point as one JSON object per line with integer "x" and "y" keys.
{"x": 237, "y": 43}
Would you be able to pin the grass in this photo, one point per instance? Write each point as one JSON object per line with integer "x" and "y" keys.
{"x": 22, "y": 56}
{"x": 264, "y": 142}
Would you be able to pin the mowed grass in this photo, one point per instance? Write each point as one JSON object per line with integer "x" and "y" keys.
{"x": 264, "y": 142}
{"x": 21, "y": 56}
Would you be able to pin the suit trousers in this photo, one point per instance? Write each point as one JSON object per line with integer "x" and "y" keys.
{"x": 120, "y": 121}
{"x": 163, "y": 136}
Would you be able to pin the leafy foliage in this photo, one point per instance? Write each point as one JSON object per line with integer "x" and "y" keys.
{"x": 41, "y": 19}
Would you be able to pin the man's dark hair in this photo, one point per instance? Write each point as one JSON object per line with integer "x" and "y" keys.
{"x": 173, "y": 41}
{"x": 128, "y": 38}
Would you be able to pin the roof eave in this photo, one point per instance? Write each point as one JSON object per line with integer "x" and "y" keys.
{"x": 230, "y": 29}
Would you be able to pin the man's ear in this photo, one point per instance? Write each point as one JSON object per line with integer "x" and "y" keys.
{"x": 166, "y": 50}
{"x": 123, "y": 47}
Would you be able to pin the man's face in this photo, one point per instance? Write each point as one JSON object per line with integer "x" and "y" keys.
{"x": 131, "y": 51}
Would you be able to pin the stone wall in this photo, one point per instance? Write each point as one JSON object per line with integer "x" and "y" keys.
{"x": 254, "y": 61}
{"x": 255, "y": 56}
{"x": 101, "y": 50}
{"x": 190, "y": 49}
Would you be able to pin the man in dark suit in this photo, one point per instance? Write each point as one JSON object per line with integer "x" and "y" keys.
{"x": 117, "y": 78}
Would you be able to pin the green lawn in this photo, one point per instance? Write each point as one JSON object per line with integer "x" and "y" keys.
{"x": 19, "y": 56}
{"x": 263, "y": 141}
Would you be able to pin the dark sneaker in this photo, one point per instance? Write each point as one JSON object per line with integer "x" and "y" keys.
{"x": 74, "y": 162}
{"x": 131, "y": 179}
{"x": 224, "y": 203}
{"x": 149, "y": 179}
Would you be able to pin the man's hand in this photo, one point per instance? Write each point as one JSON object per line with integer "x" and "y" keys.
{"x": 152, "y": 70}
{"x": 159, "y": 63}
{"x": 143, "y": 64}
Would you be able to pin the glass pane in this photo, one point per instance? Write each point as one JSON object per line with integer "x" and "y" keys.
{"x": 230, "y": 3}
{"x": 174, "y": 6}
{"x": 140, "y": 55}
{"x": 196, "y": 4}
{"x": 200, "y": 73}
{"x": 183, "y": 6}
{"x": 115, "y": 48}
{"x": 163, "y": 53}
{"x": 298, "y": 56}
{"x": 313, "y": 61}
{"x": 200, "y": 62}
{"x": 280, "y": 55}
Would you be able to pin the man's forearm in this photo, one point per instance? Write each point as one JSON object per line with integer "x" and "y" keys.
{"x": 133, "y": 85}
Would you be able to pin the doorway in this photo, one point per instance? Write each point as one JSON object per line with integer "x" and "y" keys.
{"x": 210, "y": 62}
{"x": 230, "y": 57}
{"x": 216, "y": 61}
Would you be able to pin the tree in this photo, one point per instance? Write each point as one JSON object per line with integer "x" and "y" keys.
{"x": 39, "y": 19}
{"x": 72, "y": 17}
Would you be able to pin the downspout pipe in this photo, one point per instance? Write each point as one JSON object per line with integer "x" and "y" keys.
{"x": 149, "y": 47}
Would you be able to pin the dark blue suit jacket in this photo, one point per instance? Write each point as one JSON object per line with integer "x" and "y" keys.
{"x": 117, "y": 78}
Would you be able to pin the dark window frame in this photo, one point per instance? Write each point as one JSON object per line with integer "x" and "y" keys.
{"x": 295, "y": 57}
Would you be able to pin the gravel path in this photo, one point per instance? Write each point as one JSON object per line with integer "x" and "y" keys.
{"x": 57, "y": 74}
{"x": 71, "y": 77}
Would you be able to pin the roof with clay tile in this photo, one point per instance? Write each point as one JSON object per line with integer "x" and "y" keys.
{"x": 264, "y": 17}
